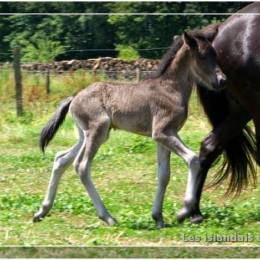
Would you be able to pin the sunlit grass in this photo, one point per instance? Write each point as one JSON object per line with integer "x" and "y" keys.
{"x": 124, "y": 171}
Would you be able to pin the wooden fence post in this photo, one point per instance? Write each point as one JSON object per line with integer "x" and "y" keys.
{"x": 94, "y": 74}
{"x": 18, "y": 81}
{"x": 138, "y": 75}
{"x": 48, "y": 89}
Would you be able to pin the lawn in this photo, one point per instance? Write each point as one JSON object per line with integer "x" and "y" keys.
{"x": 124, "y": 172}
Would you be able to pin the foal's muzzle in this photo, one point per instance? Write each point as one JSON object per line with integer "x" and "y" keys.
{"x": 221, "y": 80}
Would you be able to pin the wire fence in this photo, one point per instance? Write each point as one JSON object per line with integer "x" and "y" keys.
{"x": 19, "y": 69}
{"x": 9, "y": 54}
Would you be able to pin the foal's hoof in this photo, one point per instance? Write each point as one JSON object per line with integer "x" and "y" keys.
{"x": 160, "y": 224}
{"x": 110, "y": 221}
{"x": 196, "y": 219}
{"x": 37, "y": 218}
{"x": 158, "y": 218}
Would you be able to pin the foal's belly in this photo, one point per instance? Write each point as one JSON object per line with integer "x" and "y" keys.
{"x": 135, "y": 122}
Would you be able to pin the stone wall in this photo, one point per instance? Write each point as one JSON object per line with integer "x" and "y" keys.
{"x": 106, "y": 64}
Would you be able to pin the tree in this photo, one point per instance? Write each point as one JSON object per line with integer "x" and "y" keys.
{"x": 43, "y": 50}
{"x": 106, "y": 32}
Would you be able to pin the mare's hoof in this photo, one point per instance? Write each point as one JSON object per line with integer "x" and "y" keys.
{"x": 187, "y": 212}
{"x": 183, "y": 214}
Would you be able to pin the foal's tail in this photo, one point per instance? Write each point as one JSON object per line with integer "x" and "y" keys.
{"x": 54, "y": 123}
{"x": 239, "y": 153}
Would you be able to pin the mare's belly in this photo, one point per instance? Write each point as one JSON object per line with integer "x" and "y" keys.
{"x": 238, "y": 48}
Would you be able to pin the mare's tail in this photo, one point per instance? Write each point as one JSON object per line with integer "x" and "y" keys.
{"x": 239, "y": 152}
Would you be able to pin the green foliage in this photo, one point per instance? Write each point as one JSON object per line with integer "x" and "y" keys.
{"x": 127, "y": 52}
{"x": 41, "y": 49}
{"x": 108, "y": 31}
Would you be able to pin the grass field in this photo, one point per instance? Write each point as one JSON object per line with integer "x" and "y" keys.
{"x": 124, "y": 172}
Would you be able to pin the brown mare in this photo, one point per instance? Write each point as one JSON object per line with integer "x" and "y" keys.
{"x": 237, "y": 44}
{"x": 156, "y": 107}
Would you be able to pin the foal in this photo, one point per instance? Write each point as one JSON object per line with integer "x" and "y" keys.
{"x": 156, "y": 107}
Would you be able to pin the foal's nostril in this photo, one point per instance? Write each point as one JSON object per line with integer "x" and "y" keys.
{"x": 222, "y": 82}
{"x": 219, "y": 83}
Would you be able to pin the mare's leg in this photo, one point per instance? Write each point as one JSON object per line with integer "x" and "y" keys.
{"x": 211, "y": 148}
{"x": 61, "y": 162}
{"x": 93, "y": 138}
{"x": 163, "y": 174}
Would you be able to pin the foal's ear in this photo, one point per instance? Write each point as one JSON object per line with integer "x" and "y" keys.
{"x": 190, "y": 40}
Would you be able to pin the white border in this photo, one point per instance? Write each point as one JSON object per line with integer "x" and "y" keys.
{"x": 129, "y": 14}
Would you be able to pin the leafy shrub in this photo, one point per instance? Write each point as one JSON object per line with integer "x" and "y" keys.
{"x": 41, "y": 49}
{"x": 127, "y": 52}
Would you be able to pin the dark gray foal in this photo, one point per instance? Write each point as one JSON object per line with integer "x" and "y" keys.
{"x": 156, "y": 107}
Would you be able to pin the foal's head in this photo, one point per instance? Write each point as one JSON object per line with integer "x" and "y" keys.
{"x": 203, "y": 62}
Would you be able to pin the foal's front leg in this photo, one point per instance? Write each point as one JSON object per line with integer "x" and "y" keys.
{"x": 173, "y": 142}
{"x": 163, "y": 175}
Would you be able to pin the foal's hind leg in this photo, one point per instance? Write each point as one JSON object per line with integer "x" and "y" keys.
{"x": 163, "y": 174}
{"x": 93, "y": 138}
{"x": 61, "y": 162}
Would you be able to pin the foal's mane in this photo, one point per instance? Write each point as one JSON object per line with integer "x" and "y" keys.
{"x": 172, "y": 51}
{"x": 168, "y": 57}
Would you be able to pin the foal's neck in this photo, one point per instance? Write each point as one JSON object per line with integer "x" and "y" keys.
{"x": 179, "y": 73}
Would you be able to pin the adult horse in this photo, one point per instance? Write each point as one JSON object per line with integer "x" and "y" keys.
{"x": 237, "y": 45}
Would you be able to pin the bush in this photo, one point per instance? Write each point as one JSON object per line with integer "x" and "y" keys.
{"x": 127, "y": 52}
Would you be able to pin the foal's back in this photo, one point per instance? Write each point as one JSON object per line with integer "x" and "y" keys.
{"x": 130, "y": 107}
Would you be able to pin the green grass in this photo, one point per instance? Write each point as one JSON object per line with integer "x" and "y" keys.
{"x": 124, "y": 172}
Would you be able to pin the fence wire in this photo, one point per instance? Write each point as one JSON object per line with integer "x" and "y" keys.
{"x": 110, "y": 74}
{"x": 10, "y": 53}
